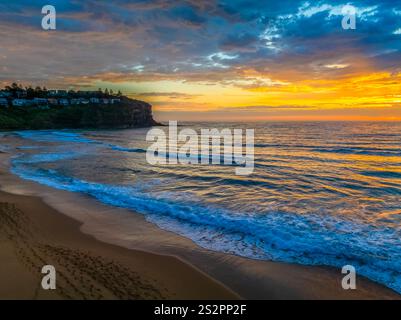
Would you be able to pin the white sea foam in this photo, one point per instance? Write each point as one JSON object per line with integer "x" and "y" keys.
{"x": 314, "y": 239}
{"x": 309, "y": 202}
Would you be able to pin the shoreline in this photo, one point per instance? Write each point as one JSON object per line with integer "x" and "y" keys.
{"x": 79, "y": 218}
{"x": 87, "y": 268}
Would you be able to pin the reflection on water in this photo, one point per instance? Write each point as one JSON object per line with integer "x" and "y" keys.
{"x": 321, "y": 193}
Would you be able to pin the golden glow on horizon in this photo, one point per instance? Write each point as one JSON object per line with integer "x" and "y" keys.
{"x": 364, "y": 96}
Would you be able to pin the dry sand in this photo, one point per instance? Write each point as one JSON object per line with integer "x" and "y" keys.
{"x": 32, "y": 235}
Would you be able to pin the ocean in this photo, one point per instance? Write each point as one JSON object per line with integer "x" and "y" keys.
{"x": 321, "y": 193}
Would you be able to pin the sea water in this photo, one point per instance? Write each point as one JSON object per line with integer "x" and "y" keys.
{"x": 322, "y": 193}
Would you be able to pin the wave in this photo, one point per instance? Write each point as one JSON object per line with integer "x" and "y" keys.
{"x": 53, "y": 136}
{"x": 4, "y": 148}
{"x": 311, "y": 239}
{"x": 383, "y": 174}
{"x": 45, "y": 157}
{"x": 355, "y": 149}
{"x": 319, "y": 238}
{"x": 395, "y": 152}
{"x": 119, "y": 148}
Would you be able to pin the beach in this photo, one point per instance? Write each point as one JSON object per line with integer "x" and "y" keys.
{"x": 158, "y": 150}
{"x": 34, "y": 234}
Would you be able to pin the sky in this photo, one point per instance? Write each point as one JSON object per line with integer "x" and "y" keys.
{"x": 236, "y": 60}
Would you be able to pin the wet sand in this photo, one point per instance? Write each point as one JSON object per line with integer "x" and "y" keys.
{"x": 149, "y": 263}
{"x": 32, "y": 235}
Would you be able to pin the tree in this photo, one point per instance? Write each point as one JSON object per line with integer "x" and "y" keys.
{"x": 39, "y": 92}
{"x": 13, "y": 89}
{"x": 10, "y": 122}
{"x": 30, "y": 93}
{"x": 71, "y": 93}
{"x": 17, "y": 90}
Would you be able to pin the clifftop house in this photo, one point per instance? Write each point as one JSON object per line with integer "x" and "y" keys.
{"x": 40, "y": 101}
{"x": 17, "y": 96}
{"x": 63, "y": 102}
{"x": 48, "y": 109}
{"x": 3, "y": 102}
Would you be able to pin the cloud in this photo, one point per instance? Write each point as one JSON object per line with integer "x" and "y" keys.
{"x": 170, "y": 95}
{"x": 270, "y": 47}
{"x": 239, "y": 42}
{"x": 166, "y": 37}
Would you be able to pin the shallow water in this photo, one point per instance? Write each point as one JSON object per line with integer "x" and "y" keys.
{"x": 321, "y": 193}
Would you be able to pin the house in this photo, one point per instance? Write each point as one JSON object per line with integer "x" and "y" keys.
{"x": 3, "y": 102}
{"x": 113, "y": 101}
{"x": 5, "y": 94}
{"x": 21, "y": 94}
{"x": 40, "y": 101}
{"x": 81, "y": 93}
{"x": 52, "y": 101}
{"x": 75, "y": 101}
{"x": 21, "y": 102}
{"x": 105, "y": 101}
{"x": 84, "y": 101}
{"x": 62, "y": 93}
{"x": 63, "y": 102}
{"x": 85, "y": 93}
{"x": 94, "y": 100}
{"x": 52, "y": 93}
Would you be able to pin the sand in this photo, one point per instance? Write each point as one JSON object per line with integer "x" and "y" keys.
{"x": 151, "y": 264}
{"x": 32, "y": 235}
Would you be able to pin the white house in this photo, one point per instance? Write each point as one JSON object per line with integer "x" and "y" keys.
{"x": 113, "y": 101}
{"x": 63, "y": 102}
{"x": 40, "y": 101}
{"x": 105, "y": 101}
{"x": 94, "y": 100}
{"x": 84, "y": 101}
{"x": 21, "y": 94}
{"x": 3, "y": 102}
{"x": 21, "y": 102}
{"x": 75, "y": 101}
{"x": 5, "y": 94}
{"x": 62, "y": 93}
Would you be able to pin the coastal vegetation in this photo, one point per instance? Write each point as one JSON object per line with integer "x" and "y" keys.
{"x": 39, "y": 108}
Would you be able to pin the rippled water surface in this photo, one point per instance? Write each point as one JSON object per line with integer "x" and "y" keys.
{"x": 321, "y": 193}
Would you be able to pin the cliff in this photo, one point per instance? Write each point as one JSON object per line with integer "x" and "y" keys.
{"x": 127, "y": 113}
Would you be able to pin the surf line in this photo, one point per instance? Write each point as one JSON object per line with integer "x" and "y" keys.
{"x": 188, "y": 147}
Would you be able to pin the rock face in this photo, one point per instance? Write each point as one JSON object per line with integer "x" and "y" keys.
{"x": 128, "y": 113}
{"x": 140, "y": 113}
